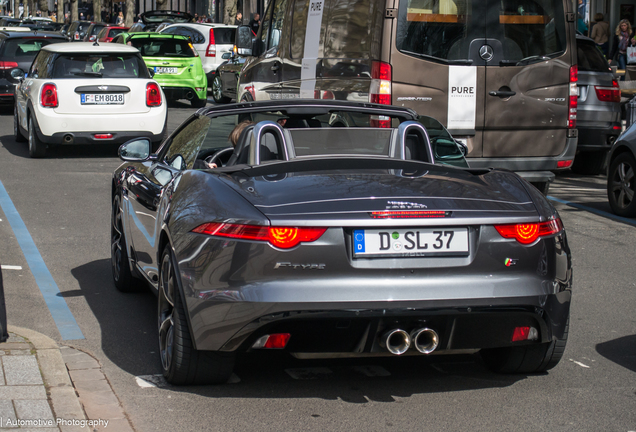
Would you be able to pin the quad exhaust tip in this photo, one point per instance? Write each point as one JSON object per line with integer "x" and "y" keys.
{"x": 425, "y": 340}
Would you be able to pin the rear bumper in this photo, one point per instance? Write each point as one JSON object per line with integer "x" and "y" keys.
{"x": 81, "y": 138}
{"x": 593, "y": 138}
{"x": 174, "y": 93}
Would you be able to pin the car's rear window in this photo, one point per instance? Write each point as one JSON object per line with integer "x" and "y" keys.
{"x": 526, "y": 30}
{"x": 96, "y": 29}
{"x": 224, "y": 36}
{"x": 590, "y": 58}
{"x": 103, "y": 65}
{"x": 163, "y": 47}
{"x": 25, "y": 49}
{"x": 114, "y": 32}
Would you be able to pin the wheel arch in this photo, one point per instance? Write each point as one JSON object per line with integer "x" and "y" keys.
{"x": 621, "y": 148}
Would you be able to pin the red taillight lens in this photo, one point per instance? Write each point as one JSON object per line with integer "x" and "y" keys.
{"x": 381, "y": 70}
{"x": 529, "y": 233}
{"x": 48, "y": 95}
{"x": 275, "y": 341}
{"x": 103, "y": 136}
{"x": 380, "y": 90}
{"x": 564, "y": 163}
{"x": 573, "y": 99}
{"x": 153, "y": 94}
{"x": 608, "y": 94}
{"x": 281, "y": 237}
{"x": 8, "y": 65}
{"x": 520, "y": 334}
{"x": 407, "y": 214}
{"x": 211, "y": 50}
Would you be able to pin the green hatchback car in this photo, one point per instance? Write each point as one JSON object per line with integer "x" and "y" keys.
{"x": 176, "y": 64}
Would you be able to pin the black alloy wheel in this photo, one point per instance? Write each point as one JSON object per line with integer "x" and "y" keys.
{"x": 182, "y": 364}
{"x": 621, "y": 185}
{"x": 120, "y": 267}
{"x": 217, "y": 91}
{"x": 16, "y": 126}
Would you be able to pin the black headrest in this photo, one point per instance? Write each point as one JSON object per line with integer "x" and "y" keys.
{"x": 240, "y": 145}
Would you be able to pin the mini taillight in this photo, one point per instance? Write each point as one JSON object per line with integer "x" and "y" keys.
{"x": 407, "y": 214}
{"x": 8, "y": 65}
{"x": 281, "y": 237}
{"x": 153, "y": 94}
{"x": 272, "y": 341}
{"x": 573, "y": 99}
{"x": 608, "y": 94}
{"x": 530, "y": 232}
{"x": 211, "y": 50}
{"x": 48, "y": 95}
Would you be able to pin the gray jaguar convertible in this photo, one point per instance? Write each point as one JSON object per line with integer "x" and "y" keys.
{"x": 335, "y": 229}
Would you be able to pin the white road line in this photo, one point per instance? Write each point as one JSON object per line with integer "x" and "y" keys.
{"x": 10, "y": 267}
{"x": 580, "y": 364}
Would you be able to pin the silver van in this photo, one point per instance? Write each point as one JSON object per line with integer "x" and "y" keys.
{"x": 500, "y": 75}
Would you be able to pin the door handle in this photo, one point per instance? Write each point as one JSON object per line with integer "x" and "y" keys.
{"x": 275, "y": 67}
{"x": 502, "y": 94}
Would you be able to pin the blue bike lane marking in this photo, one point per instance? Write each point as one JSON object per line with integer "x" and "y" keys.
{"x": 595, "y": 211}
{"x": 62, "y": 315}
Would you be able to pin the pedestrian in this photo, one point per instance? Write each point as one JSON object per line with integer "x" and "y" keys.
{"x": 623, "y": 38}
{"x": 600, "y": 33}
{"x": 255, "y": 23}
{"x": 238, "y": 20}
{"x": 120, "y": 19}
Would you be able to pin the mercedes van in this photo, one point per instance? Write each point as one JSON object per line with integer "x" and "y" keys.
{"x": 500, "y": 75}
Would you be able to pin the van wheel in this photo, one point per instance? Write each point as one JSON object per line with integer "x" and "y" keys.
{"x": 543, "y": 187}
{"x": 37, "y": 148}
{"x": 589, "y": 163}
{"x": 17, "y": 133}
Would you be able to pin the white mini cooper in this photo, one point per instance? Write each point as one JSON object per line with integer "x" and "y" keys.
{"x": 85, "y": 93}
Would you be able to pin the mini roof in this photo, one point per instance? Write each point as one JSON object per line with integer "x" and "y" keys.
{"x": 88, "y": 47}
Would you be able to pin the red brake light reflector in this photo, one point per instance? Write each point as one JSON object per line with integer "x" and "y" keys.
{"x": 281, "y": 237}
{"x": 530, "y": 232}
{"x": 520, "y": 334}
{"x": 48, "y": 95}
{"x": 564, "y": 163}
{"x": 406, "y": 214}
{"x": 153, "y": 94}
{"x": 278, "y": 340}
{"x": 103, "y": 136}
{"x": 8, "y": 65}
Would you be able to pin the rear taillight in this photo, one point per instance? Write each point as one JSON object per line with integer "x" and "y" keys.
{"x": 524, "y": 333}
{"x": 153, "y": 94}
{"x": 272, "y": 341}
{"x": 48, "y": 95}
{"x": 281, "y": 237}
{"x": 211, "y": 50}
{"x": 380, "y": 91}
{"x": 530, "y": 232}
{"x": 608, "y": 94}
{"x": 573, "y": 99}
{"x": 8, "y": 65}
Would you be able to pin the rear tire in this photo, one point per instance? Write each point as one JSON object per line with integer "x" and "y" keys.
{"x": 198, "y": 103}
{"x": 589, "y": 163}
{"x": 37, "y": 148}
{"x": 526, "y": 359}
{"x": 621, "y": 185}
{"x": 180, "y": 362}
{"x": 217, "y": 91}
{"x": 17, "y": 133}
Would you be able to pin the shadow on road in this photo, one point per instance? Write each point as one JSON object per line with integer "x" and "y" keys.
{"x": 621, "y": 351}
{"x": 130, "y": 340}
{"x": 21, "y": 149}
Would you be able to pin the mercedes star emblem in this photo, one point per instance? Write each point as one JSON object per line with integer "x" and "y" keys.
{"x": 486, "y": 53}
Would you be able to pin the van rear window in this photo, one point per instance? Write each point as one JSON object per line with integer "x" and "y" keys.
{"x": 527, "y": 31}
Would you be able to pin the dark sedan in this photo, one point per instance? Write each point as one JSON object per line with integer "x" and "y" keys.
{"x": 335, "y": 229}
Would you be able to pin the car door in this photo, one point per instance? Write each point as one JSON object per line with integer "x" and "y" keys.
{"x": 230, "y": 73}
{"x": 147, "y": 181}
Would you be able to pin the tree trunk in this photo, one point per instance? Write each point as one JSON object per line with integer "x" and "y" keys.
{"x": 74, "y": 12}
{"x": 97, "y": 10}
{"x": 43, "y": 6}
{"x": 230, "y": 11}
{"x": 163, "y": 5}
{"x": 130, "y": 13}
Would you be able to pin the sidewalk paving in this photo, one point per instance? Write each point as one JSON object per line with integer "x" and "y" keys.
{"x": 46, "y": 388}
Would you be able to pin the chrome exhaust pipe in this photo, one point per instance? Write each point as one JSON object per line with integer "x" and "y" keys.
{"x": 425, "y": 340}
{"x": 396, "y": 341}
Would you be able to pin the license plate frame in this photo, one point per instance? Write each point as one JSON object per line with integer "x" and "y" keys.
{"x": 410, "y": 242}
{"x": 102, "y": 99}
{"x": 166, "y": 70}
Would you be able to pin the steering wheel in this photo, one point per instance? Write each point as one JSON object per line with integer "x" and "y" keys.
{"x": 215, "y": 158}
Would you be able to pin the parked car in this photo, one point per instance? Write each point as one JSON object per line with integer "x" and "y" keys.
{"x": 621, "y": 176}
{"x": 82, "y": 93}
{"x": 108, "y": 33}
{"x": 93, "y": 30}
{"x": 599, "y": 109}
{"x": 150, "y": 20}
{"x": 10, "y": 22}
{"x": 210, "y": 40}
{"x": 176, "y": 64}
{"x": 77, "y": 30}
{"x": 226, "y": 78}
{"x": 18, "y": 48}
{"x": 500, "y": 75}
{"x": 330, "y": 238}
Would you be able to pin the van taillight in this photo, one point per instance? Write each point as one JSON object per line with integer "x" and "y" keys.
{"x": 48, "y": 95}
{"x": 211, "y": 50}
{"x": 573, "y": 99}
{"x": 380, "y": 91}
{"x": 153, "y": 94}
{"x": 608, "y": 94}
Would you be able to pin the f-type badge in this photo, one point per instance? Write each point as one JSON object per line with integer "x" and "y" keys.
{"x": 486, "y": 52}
{"x": 510, "y": 262}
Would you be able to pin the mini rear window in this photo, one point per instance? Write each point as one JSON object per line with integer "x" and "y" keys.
{"x": 590, "y": 58}
{"x": 224, "y": 36}
{"x": 106, "y": 65}
{"x": 163, "y": 47}
{"x": 25, "y": 49}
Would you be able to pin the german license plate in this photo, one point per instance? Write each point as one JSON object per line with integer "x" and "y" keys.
{"x": 102, "y": 98}
{"x": 165, "y": 70}
{"x": 410, "y": 242}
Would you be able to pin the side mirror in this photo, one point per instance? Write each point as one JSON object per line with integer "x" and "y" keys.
{"x": 17, "y": 74}
{"x": 244, "y": 40}
{"x": 151, "y": 71}
{"x": 135, "y": 150}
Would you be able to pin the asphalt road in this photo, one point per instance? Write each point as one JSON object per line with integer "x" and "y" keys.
{"x": 64, "y": 201}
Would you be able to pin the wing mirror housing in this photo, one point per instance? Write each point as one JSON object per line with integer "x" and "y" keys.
{"x": 135, "y": 150}
{"x": 244, "y": 37}
{"x": 151, "y": 71}
{"x": 17, "y": 75}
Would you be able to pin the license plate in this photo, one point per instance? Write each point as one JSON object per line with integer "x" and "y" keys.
{"x": 102, "y": 98}
{"x": 165, "y": 70}
{"x": 410, "y": 242}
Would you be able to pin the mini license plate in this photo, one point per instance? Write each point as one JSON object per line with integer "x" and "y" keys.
{"x": 410, "y": 242}
{"x": 102, "y": 98}
{"x": 165, "y": 70}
